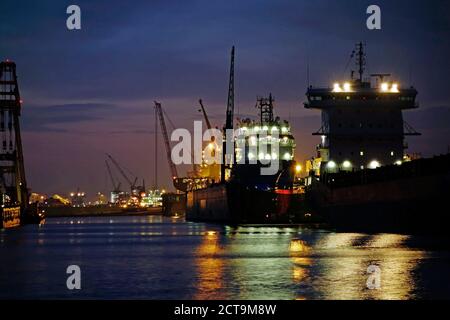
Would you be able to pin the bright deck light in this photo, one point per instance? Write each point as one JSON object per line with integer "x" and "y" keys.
{"x": 385, "y": 87}
{"x": 347, "y": 87}
{"x": 298, "y": 168}
{"x": 331, "y": 165}
{"x": 337, "y": 87}
{"x": 394, "y": 88}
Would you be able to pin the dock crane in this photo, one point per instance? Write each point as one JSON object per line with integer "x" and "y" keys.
{"x": 124, "y": 175}
{"x": 208, "y": 124}
{"x": 180, "y": 183}
{"x": 116, "y": 185}
{"x": 229, "y": 119}
{"x": 162, "y": 123}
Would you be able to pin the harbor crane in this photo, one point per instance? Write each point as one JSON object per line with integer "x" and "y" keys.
{"x": 208, "y": 124}
{"x": 115, "y": 184}
{"x": 229, "y": 121}
{"x": 162, "y": 123}
{"x": 123, "y": 174}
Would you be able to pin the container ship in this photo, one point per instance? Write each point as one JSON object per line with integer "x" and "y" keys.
{"x": 256, "y": 178}
{"x": 362, "y": 178}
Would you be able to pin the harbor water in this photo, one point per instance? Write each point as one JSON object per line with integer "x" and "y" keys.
{"x": 155, "y": 257}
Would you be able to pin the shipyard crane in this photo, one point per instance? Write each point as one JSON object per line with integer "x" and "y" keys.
{"x": 230, "y": 116}
{"x": 159, "y": 112}
{"x": 208, "y": 124}
{"x": 116, "y": 185}
{"x": 124, "y": 175}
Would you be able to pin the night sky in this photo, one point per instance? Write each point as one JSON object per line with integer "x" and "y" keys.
{"x": 91, "y": 91}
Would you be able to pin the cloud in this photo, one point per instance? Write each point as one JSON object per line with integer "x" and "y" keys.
{"x": 54, "y": 118}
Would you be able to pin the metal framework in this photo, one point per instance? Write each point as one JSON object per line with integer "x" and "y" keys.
{"x": 13, "y": 185}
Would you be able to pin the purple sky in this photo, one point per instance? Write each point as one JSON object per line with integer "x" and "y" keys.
{"x": 91, "y": 91}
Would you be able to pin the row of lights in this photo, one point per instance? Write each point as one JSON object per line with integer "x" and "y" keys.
{"x": 79, "y": 194}
{"x": 345, "y": 88}
{"x": 287, "y": 156}
{"x": 266, "y": 128}
{"x": 253, "y": 140}
{"x": 347, "y": 164}
{"x": 385, "y": 87}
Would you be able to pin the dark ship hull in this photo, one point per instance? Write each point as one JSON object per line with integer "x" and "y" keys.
{"x": 232, "y": 203}
{"x": 411, "y": 198}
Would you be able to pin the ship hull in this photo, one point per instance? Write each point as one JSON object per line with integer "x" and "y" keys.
{"x": 416, "y": 204}
{"x": 235, "y": 204}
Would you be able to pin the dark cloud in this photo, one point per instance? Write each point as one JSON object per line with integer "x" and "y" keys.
{"x": 52, "y": 118}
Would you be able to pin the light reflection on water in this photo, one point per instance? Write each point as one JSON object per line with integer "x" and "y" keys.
{"x": 161, "y": 258}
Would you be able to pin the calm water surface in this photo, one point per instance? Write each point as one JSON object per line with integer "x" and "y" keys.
{"x": 162, "y": 258}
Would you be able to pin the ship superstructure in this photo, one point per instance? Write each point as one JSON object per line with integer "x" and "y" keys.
{"x": 261, "y": 144}
{"x": 257, "y": 170}
{"x": 362, "y": 121}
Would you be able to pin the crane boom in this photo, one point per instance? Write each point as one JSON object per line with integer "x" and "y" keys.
{"x": 230, "y": 104}
{"x": 121, "y": 171}
{"x": 159, "y": 111}
{"x": 229, "y": 118}
{"x": 208, "y": 124}
{"x": 113, "y": 181}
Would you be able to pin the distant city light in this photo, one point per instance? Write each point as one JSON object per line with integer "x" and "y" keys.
{"x": 374, "y": 164}
{"x": 398, "y": 162}
{"x": 347, "y": 164}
